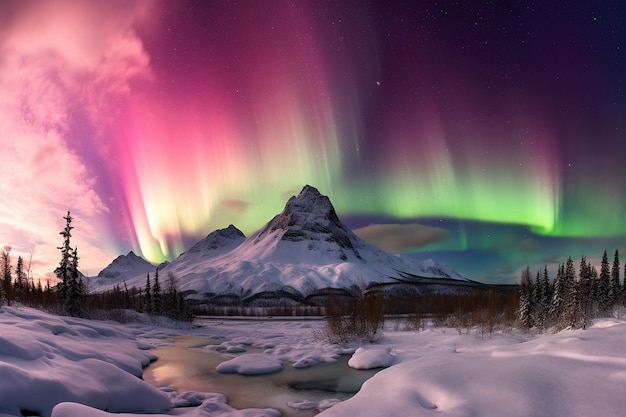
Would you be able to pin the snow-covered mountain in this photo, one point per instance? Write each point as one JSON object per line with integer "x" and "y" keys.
{"x": 430, "y": 268}
{"x": 217, "y": 243}
{"x": 125, "y": 266}
{"x": 301, "y": 252}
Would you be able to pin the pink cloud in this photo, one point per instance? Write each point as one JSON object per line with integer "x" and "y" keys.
{"x": 401, "y": 237}
{"x": 59, "y": 58}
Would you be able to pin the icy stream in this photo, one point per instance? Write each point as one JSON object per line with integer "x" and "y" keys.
{"x": 185, "y": 367}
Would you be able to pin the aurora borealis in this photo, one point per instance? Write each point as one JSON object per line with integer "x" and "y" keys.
{"x": 487, "y": 136}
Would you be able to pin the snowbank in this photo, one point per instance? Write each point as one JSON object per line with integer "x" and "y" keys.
{"x": 46, "y": 359}
{"x": 67, "y": 367}
{"x": 572, "y": 373}
{"x": 211, "y": 405}
{"x": 371, "y": 357}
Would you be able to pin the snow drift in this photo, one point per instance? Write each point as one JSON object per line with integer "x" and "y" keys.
{"x": 45, "y": 360}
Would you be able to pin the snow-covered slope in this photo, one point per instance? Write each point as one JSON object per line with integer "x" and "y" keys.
{"x": 217, "y": 243}
{"x": 430, "y": 268}
{"x": 302, "y": 250}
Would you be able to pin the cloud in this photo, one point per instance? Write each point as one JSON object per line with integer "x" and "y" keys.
{"x": 235, "y": 206}
{"x": 401, "y": 237}
{"x": 63, "y": 65}
{"x": 529, "y": 245}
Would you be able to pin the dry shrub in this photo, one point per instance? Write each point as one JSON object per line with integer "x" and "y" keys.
{"x": 353, "y": 319}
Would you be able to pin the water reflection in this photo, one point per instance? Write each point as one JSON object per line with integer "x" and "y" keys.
{"x": 187, "y": 369}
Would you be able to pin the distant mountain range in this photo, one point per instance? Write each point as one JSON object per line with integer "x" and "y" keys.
{"x": 300, "y": 255}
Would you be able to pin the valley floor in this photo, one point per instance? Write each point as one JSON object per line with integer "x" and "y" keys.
{"x": 61, "y": 366}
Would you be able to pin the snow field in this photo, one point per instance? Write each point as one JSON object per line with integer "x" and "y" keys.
{"x": 64, "y": 367}
{"x": 571, "y": 373}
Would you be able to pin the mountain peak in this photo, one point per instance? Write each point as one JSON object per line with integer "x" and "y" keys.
{"x": 309, "y": 190}
{"x": 309, "y": 216}
{"x": 231, "y": 230}
{"x": 309, "y": 205}
{"x": 309, "y": 209}
{"x": 126, "y": 265}
{"x": 228, "y": 237}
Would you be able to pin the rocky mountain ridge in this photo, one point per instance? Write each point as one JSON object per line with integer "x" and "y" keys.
{"x": 302, "y": 252}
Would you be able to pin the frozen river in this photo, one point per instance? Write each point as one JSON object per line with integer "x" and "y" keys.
{"x": 185, "y": 366}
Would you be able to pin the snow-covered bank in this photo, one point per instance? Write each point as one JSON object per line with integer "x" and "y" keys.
{"x": 571, "y": 373}
{"x": 50, "y": 364}
{"x": 46, "y": 359}
{"x": 64, "y": 367}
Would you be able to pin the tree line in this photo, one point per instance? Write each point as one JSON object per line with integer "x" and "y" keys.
{"x": 484, "y": 310}
{"x": 573, "y": 299}
{"x": 151, "y": 300}
{"x": 70, "y": 296}
{"x": 17, "y": 285}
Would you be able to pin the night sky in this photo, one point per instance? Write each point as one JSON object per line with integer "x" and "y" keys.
{"x": 486, "y": 135}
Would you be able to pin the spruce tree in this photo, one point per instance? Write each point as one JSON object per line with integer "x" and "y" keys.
{"x": 605, "y": 293}
{"x": 5, "y": 290}
{"x": 546, "y": 289}
{"x": 624, "y": 286}
{"x": 156, "y": 295}
{"x": 525, "y": 303}
{"x": 615, "y": 284}
{"x": 570, "y": 289}
{"x": 147, "y": 307}
{"x": 544, "y": 297}
{"x": 584, "y": 290}
{"x": 74, "y": 299}
{"x": 558, "y": 296}
{"x": 33, "y": 291}
{"x": 593, "y": 302}
{"x": 39, "y": 292}
{"x": 537, "y": 302}
{"x": 20, "y": 281}
{"x": 64, "y": 269}
{"x": 70, "y": 285}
